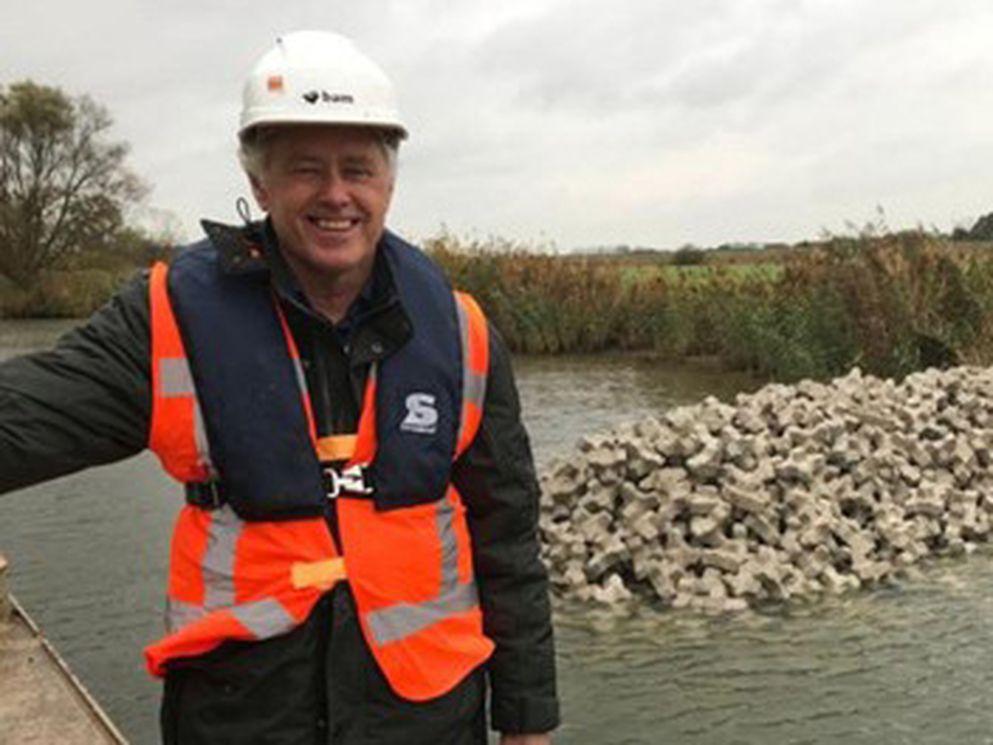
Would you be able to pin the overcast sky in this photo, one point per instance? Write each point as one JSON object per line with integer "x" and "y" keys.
{"x": 572, "y": 122}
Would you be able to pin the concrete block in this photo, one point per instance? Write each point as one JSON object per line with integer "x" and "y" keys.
{"x": 702, "y": 503}
{"x": 646, "y": 526}
{"x": 924, "y": 505}
{"x": 705, "y": 530}
{"x": 763, "y": 529}
{"x": 724, "y": 560}
{"x": 666, "y": 481}
{"x": 735, "y": 605}
{"x": 754, "y": 502}
{"x": 605, "y": 457}
{"x": 612, "y": 592}
{"x": 748, "y": 420}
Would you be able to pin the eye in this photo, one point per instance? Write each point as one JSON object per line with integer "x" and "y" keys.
{"x": 358, "y": 172}
{"x": 305, "y": 168}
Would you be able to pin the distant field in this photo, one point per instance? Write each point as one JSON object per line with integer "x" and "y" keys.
{"x": 774, "y": 254}
{"x": 766, "y": 264}
{"x": 767, "y": 271}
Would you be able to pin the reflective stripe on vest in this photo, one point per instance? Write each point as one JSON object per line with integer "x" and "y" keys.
{"x": 475, "y": 365}
{"x": 232, "y": 579}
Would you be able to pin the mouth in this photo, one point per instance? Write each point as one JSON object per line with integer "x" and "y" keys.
{"x": 333, "y": 225}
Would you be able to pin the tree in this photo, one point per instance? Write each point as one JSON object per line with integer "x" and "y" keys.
{"x": 63, "y": 188}
{"x": 689, "y": 255}
{"x": 983, "y": 229}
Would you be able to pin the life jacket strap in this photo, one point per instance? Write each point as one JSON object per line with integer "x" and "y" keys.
{"x": 336, "y": 447}
{"x": 207, "y": 495}
{"x": 354, "y": 482}
{"x": 320, "y": 574}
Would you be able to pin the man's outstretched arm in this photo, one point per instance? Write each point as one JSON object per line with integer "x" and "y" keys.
{"x": 83, "y": 403}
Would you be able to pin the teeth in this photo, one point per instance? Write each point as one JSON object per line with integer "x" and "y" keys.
{"x": 324, "y": 224}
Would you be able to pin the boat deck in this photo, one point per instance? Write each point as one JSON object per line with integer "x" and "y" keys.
{"x": 41, "y": 701}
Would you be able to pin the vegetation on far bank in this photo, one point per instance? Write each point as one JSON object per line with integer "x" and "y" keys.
{"x": 76, "y": 285}
{"x": 890, "y": 303}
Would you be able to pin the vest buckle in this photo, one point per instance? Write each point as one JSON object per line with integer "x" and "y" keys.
{"x": 351, "y": 480}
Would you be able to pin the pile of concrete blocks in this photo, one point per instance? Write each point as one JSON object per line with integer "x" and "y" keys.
{"x": 793, "y": 491}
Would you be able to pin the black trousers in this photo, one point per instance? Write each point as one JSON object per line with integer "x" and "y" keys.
{"x": 317, "y": 685}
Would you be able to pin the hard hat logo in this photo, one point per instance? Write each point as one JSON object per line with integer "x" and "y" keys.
{"x": 313, "y": 68}
{"x": 313, "y": 97}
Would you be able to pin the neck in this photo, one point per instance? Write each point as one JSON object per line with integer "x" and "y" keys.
{"x": 331, "y": 295}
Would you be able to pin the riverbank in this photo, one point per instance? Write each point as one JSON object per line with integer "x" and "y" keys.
{"x": 73, "y": 293}
{"x": 892, "y": 304}
{"x": 792, "y": 492}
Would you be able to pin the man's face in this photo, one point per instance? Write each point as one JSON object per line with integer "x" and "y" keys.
{"x": 326, "y": 190}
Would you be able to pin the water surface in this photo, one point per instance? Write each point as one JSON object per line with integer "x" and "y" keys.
{"x": 909, "y": 664}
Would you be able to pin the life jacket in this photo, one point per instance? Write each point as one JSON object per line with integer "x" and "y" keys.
{"x": 231, "y": 411}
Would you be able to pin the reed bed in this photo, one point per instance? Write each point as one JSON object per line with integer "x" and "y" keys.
{"x": 891, "y": 304}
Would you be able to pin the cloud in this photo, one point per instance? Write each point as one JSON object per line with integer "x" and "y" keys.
{"x": 642, "y": 121}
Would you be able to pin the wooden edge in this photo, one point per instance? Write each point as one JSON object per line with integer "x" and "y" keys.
{"x": 86, "y": 698}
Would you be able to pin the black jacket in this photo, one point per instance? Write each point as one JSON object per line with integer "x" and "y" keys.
{"x": 88, "y": 402}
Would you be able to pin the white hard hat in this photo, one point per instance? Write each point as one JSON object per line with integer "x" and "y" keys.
{"x": 318, "y": 77}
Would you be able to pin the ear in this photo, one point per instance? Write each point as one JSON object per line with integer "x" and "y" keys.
{"x": 260, "y": 192}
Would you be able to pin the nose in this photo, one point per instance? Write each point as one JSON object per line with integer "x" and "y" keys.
{"x": 334, "y": 190}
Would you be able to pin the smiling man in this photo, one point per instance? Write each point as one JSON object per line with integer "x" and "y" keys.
{"x": 326, "y": 190}
{"x": 357, "y": 558}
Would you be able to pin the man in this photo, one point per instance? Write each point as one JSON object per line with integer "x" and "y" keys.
{"x": 358, "y": 551}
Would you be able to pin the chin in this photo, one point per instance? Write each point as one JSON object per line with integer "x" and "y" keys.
{"x": 334, "y": 264}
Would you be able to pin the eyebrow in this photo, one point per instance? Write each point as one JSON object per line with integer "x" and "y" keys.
{"x": 298, "y": 158}
{"x": 360, "y": 159}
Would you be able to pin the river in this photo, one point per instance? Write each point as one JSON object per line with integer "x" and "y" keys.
{"x": 909, "y": 664}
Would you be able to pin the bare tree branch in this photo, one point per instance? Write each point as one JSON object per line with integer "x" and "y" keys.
{"x": 63, "y": 188}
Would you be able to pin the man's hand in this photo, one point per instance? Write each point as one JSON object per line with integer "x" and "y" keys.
{"x": 543, "y": 739}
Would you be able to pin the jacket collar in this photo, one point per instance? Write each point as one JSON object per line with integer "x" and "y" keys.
{"x": 253, "y": 250}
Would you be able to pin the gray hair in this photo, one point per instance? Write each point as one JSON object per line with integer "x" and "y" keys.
{"x": 253, "y": 148}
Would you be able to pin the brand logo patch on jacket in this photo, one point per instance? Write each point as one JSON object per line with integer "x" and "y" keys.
{"x": 422, "y": 416}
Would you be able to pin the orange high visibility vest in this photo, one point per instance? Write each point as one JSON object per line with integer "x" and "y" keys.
{"x": 250, "y": 580}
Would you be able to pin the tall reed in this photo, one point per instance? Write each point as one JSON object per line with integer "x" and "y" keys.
{"x": 889, "y": 303}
